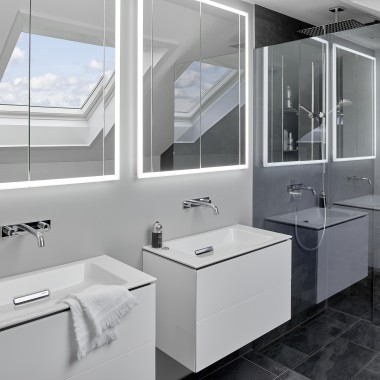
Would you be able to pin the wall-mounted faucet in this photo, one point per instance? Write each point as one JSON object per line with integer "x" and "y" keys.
{"x": 33, "y": 228}
{"x": 205, "y": 201}
{"x": 297, "y": 189}
{"x": 356, "y": 178}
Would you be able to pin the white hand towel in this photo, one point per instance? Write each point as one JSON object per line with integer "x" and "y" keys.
{"x": 96, "y": 311}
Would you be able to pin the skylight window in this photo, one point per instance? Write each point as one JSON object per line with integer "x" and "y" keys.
{"x": 14, "y": 83}
{"x": 191, "y": 85}
{"x": 63, "y": 73}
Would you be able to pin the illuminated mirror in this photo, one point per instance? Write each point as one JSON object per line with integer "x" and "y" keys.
{"x": 57, "y": 92}
{"x": 295, "y": 102}
{"x": 354, "y": 118}
{"x": 193, "y": 92}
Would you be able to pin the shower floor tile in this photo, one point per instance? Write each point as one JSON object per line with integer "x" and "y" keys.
{"x": 315, "y": 334}
{"x": 367, "y": 375}
{"x": 374, "y": 366}
{"x": 339, "y": 360}
{"x": 355, "y": 306}
{"x": 241, "y": 369}
{"x": 285, "y": 355}
{"x": 291, "y": 375}
{"x": 266, "y": 362}
{"x": 365, "y": 334}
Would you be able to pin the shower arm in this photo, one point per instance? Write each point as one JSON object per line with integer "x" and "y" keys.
{"x": 312, "y": 115}
{"x": 322, "y": 115}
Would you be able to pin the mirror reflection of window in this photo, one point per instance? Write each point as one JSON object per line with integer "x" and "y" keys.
{"x": 14, "y": 91}
{"x": 193, "y": 86}
{"x": 57, "y": 90}
{"x": 14, "y": 85}
{"x": 198, "y": 84}
{"x": 64, "y": 73}
{"x": 187, "y": 89}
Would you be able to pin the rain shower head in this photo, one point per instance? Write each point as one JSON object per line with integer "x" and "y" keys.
{"x": 337, "y": 26}
{"x": 340, "y": 26}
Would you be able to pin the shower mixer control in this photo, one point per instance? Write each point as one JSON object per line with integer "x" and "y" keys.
{"x": 295, "y": 190}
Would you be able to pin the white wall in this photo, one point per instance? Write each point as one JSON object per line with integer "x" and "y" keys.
{"x": 115, "y": 217}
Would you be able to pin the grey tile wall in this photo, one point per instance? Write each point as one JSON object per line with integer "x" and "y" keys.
{"x": 270, "y": 195}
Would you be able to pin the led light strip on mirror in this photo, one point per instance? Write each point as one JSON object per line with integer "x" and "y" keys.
{"x": 242, "y": 158}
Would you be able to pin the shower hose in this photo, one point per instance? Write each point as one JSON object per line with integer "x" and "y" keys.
{"x": 319, "y": 243}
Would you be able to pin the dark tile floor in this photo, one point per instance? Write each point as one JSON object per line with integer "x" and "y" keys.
{"x": 334, "y": 345}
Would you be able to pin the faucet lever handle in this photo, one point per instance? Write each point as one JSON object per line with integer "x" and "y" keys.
{"x": 43, "y": 226}
{"x": 9, "y": 230}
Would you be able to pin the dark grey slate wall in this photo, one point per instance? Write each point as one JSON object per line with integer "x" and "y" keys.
{"x": 273, "y": 28}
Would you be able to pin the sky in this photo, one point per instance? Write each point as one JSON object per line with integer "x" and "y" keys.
{"x": 63, "y": 73}
{"x": 188, "y": 86}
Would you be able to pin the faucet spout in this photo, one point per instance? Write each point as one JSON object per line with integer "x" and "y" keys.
{"x": 34, "y": 232}
{"x": 356, "y": 178}
{"x": 206, "y": 201}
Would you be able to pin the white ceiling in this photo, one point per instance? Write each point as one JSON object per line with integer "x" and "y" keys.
{"x": 316, "y": 12}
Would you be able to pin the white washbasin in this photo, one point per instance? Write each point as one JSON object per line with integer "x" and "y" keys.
{"x": 61, "y": 281}
{"x": 226, "y": 242}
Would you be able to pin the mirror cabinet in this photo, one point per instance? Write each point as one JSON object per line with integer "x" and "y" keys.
{"x": 354, "y": 120}
{"x": 57, "y": 92}
{"x": 193, "y": 87}
{"x": 304, "y": 92}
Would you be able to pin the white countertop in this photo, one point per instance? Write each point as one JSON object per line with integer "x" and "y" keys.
{"x": 228, "y": 242}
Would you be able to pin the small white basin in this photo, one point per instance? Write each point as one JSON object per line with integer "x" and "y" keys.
{"x": 62, "y": 281}
{"x": 226, "y": 242}
{"x": 226, "y": 239}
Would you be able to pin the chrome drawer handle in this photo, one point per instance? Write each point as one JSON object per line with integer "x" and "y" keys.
{"x": 31, "y": 297}
{"x": 204, "y": 250}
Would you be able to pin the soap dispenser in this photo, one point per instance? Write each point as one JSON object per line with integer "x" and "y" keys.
{"x": 157, "y": 235}
{"x": 322, "y": 199}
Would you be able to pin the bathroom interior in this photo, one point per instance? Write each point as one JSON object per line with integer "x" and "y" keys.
{"x": 216, "y": 160}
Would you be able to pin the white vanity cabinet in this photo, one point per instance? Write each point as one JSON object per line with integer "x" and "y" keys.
{"x": 39, "y": 344}
{"x": 206, "y": 312}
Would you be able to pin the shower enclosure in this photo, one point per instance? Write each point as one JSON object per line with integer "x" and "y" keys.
{"x": 316, "y": 100}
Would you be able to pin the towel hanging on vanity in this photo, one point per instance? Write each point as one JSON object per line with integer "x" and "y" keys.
{"x": 96, "y": 311}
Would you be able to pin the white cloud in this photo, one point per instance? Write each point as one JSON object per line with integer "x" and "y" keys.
{"x": 47, "y": 90}
{"x": 190, "y": 78}
{"x": 18, "y": 55}
{"x": 44, "y": 82}
{"x": 95, "y": 65}
{"x": 17, "y": 82}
